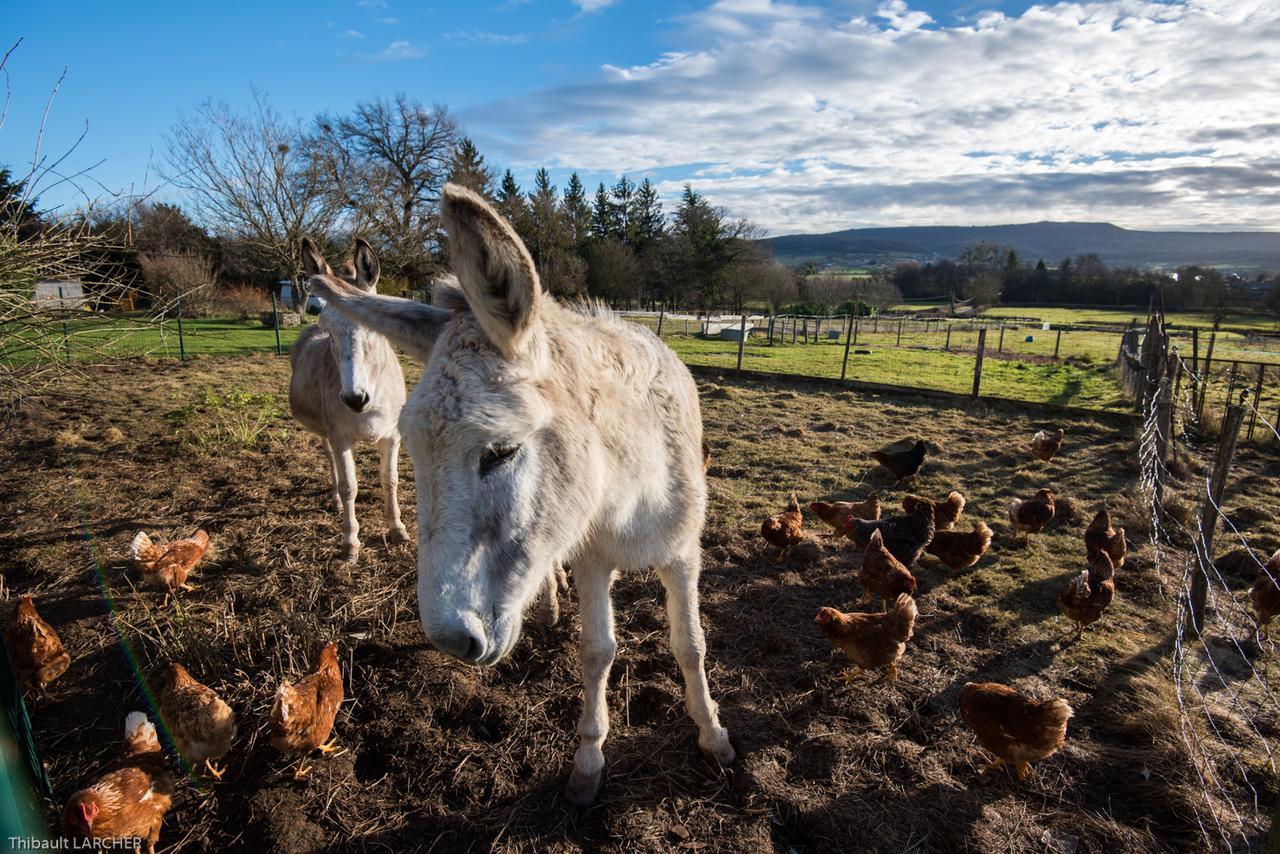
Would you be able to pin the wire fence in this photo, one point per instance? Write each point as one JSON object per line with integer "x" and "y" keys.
{"x": 1035, "y": 362}
{"x": 1225, "y": 688}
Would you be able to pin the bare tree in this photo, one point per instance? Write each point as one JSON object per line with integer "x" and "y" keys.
{"x": 251, "y": 178}
{"x": 827, "y": 290}
{"x": 775, "y": 284}
{"x": 387, "y": 162}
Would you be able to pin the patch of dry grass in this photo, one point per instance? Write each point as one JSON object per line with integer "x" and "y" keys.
{"x": 440, "y": 751}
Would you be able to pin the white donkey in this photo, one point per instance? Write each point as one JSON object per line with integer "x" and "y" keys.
{"x": 539, "y": 435}
{"x": 347, "y": 387}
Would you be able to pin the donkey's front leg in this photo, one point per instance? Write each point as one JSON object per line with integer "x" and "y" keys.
{"x": 332, "y": 455}
{"x": 389, "y": 474}
{"x": 596, "y": 648}
{"x": 680, "y": 578}
{"x": 345, "y": 462}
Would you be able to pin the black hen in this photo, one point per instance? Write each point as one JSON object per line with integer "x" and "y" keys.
{"x": 902, "y": 464}
{"x": 904, "y": 536}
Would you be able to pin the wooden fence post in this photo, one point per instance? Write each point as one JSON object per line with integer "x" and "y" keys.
{"x": 1257, "y": 396}
{"x": 686, "y": 329}
{"x": 182, "y": 338}
{"x": 848, "y": 340}
{"x": 275, "y": 321}
{"x": 1209, "y": 518}
{"x": 1231, "y": 387}
{"x": 947, "y": 346}
{"x": 1057, "y": 344}
{"x": 661, "y": 311}
{"x": 977, "y": 366}
{"x": 1000, "y": 345}
{"x": 1164, "y": 429}
{"x": 1195, "y": 349}
{"x": 793, "y": 330}
{"x": 899, "y": 344}
{"x": 742, "y": 341}
{"x": 857, "y": 322}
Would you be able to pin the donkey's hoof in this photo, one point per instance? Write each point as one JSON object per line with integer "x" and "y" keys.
{"x": 582, "y": 789}
{"x": 717, "y": 747}
{"x": 350, "y": 553}
{"x": 398, "y": 535}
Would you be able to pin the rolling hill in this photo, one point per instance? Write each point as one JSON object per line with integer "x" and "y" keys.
{"x": 1052, "y": 241}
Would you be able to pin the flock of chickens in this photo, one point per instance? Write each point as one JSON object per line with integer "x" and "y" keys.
{"x": 1017, "y": 729}
{"x": 129, "y": 800}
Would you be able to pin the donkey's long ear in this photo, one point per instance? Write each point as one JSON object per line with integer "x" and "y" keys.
{"x": 495, "y": 270}
{"x": 312, "y": 261}
{"x": 411, "y": 326}
{"x": 367, "y": 268}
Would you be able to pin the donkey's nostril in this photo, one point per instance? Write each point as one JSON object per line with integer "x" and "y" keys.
{"x": 355, "y": 400}
{"x": 460, "y": 643}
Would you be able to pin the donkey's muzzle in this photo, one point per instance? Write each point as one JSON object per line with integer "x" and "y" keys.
{"x": 465, "y": 642}
{"x": 356, "y": 401}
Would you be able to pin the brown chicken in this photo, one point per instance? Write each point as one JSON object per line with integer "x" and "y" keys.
{"x": 871, "y": 641}
{"x": 1101, "y": 537}
{"x": 1265, "y": 595}
{"x": 35, "y": 649}
{"x": 201, "y": 724}
{"x": 784, "y": 530}
{"x": 882, "y": 574}
{"x": 168, "y": 565}
{"x": 901, "y": 464}
{"x": 1032, "y": 515}
{"x": 945, "y": 512}
{"x": 1045, "y": 444}
{"x": 130, "y": 801}
{"x": 904, "y": 536}
{"x": 960, "y": 550}
{"x": 1087, "y": 595}
{"x": 837, "y": 513}
{"x": 303, "y": 714}
{"x": 1018, "y": 730}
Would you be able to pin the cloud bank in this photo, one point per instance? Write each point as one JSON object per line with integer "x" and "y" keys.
{"x": 1148, "y": 114}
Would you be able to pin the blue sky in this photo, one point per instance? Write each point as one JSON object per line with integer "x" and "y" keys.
{"x": 802, "y": 116}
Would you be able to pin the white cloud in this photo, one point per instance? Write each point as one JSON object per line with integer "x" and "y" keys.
{"x": 1141, "y": 112}
{"x": 397, "y": 50}
{"x": 388, "y": 20}
{"x": 483, "y": 37}
{"x": 593, "y": 5}
{"x": 372, "y": 4}
{"x": 352, "y": 34}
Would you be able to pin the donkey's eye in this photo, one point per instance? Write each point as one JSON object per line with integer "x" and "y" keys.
{"x": 496, "y": 455}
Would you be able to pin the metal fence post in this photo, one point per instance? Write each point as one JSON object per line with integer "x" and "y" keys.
{"x": 66, "y": 335}
{"x": 742, "y": 341}
{"x": 182, "y": 338}
{"x": 977, "y": 366}
{"x": 1204, "y": 376}
{"x": 275, "y": 321}
{"x": 848, "y": 340}
{"x": 1209, "y": 518}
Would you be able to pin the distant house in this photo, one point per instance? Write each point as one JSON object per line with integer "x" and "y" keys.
{"x": 52, "y": 294}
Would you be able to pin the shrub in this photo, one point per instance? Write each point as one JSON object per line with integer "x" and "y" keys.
{"x": 240, "y": 301}
{"x": 235, "y": 417}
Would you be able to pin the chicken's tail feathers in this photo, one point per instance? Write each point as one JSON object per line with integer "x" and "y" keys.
{"x": 904, "y": 615}
{"x": 141, "y": 543}
{"x": 280, "y": 709}
{"x": 1057, "y": 711}
{"x": 956, "y": 499}
{"x": 139, "y": 733}
{"x": 984, "y": 532}
{"x": 1014, "y": 506}
{"x": 201, "y": 539}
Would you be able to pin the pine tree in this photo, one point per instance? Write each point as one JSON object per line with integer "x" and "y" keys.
{"x": 511, "y": 204}
{"x": 544, "y": 218}
{"x": 576, "y": 213}
{"x": 468, "y": 169}
{"x": 623, "y": 194}
{"x": 602, "y": 227}
{"x": 646, "y": 216}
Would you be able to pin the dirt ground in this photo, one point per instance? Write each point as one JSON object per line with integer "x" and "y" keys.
{"x": 446, "y": 757}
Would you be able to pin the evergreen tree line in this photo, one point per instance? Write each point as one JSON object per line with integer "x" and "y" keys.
{"x": 990, "y": 274}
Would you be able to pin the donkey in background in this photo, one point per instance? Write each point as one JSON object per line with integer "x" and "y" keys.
{"x": 541, "y": 435}
{"x": 347, "y": 387}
